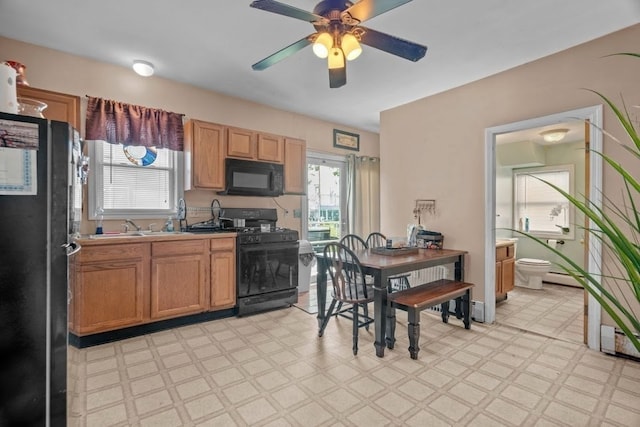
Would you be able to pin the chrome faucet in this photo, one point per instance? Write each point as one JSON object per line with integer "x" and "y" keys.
{"x": 128, "y": 221}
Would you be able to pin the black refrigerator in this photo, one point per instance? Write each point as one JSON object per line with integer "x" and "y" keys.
{"x": 40, "y": 209}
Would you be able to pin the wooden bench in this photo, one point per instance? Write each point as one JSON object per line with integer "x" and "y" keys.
{"x": 418, "y": 298}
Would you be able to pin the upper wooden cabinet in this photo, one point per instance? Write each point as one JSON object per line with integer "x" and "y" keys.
{"x": 295, "y": 166}
{"x": 241, "y": 143}
{"x": 60, "y": 106}
{"x": 204, "y": 154}
{"x": 251, "y": 145}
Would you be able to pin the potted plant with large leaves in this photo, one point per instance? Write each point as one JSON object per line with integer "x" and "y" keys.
{"x": 617, "y": 227}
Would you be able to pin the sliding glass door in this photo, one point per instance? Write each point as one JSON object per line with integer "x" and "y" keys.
{"x": 327, "y": 218}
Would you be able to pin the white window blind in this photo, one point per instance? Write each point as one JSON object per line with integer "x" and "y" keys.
{"x": 547, "y": 212}
{"x": 122, "y": 189}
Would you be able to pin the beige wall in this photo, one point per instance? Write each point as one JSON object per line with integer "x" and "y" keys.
{"x": 444, "y": 135}
{"x": 61, "y": 72}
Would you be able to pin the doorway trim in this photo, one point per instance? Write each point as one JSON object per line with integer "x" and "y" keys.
{"x": 594, "y": 115}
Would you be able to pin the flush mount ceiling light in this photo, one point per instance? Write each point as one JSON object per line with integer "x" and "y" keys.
{"x": 143, "y": 68}
{"x": 339, "y": 34}
{"x": 554, "y": 135}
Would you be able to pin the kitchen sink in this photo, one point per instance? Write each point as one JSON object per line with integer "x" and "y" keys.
{"x": 142, "y": 233}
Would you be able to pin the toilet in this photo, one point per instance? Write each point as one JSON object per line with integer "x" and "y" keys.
{"x": 529, "y": 272}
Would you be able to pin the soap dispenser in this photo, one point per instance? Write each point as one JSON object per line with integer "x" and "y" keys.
{"x": 100, "y": 219}
{"x": 169, "y": 224}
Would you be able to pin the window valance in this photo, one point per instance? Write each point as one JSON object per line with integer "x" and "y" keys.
{"x": 120, "y": 123}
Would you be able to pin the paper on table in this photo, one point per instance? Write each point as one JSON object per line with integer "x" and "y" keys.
{"x": 18, "y": 172}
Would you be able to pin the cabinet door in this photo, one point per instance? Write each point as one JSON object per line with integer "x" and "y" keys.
{"x": 179, "y": 277}
{"x": 109, "y": 295}
{"x": 223, "y": 273}
{"x": 508, "y": 274}
{"x": 499, "y": 278}
{"x": 204, "y": 155}
{"x": 178, "y": 285}
{"x": 270, "y": 148}
{"x": 295, "y": 166}
{"x": 241, "y": 143}
{"x": 60, "y": 106}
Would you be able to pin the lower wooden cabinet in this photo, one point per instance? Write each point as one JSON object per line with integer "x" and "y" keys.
{"x": 114, "y": 286}
{"x": 109, "y": 288}
{"x": 505, "y": 270}
{"x": 223, "y": 273}
{"x": 178, "y": 278}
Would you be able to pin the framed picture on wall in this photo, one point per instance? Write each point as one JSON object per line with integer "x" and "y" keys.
{"x": 347, "y": 140}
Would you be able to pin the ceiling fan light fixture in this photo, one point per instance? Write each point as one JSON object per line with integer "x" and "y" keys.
{"x": 322, "y": 45}
{"x": 351, "y": 47}
{"x": 143, "y": 68}
{"x": 554, "y": 135}
{"x": 336, "y": 58}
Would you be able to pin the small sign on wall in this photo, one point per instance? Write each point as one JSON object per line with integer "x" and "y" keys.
{"x": 346, "y": 140}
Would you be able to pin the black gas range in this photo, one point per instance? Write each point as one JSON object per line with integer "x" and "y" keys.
{"x": 266, "y": 257}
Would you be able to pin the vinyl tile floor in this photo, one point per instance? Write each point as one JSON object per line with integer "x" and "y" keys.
{"x": 272, "y": 369}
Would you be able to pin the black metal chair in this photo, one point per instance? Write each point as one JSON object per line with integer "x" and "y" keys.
{"x": 349, "y": 286}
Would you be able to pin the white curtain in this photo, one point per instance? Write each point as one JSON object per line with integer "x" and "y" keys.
{"x": 363, "y": 194}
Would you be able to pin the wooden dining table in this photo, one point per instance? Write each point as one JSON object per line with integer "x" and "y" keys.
{"x": 381, "y": 267}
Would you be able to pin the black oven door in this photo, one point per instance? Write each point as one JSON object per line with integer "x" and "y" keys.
{"x": 267, "y": 267}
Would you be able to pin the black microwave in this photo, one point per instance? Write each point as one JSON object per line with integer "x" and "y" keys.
{"x": 249, "y": 178}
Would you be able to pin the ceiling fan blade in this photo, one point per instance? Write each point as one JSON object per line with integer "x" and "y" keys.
{"x": 290, "y": 11}
{"x": 367, "y": 9}
{"x": 337, "y": 77}
{"x": 283, "y": 53}
{"x": 391, "y": 44}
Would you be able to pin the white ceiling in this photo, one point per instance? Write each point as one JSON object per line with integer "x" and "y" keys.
{"x": 213, "y": 43}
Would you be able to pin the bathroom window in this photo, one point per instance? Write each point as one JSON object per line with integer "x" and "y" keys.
{"x": 539, "y": 208}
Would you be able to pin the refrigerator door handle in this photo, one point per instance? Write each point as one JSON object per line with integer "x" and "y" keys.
{"x": 71, "y": 248}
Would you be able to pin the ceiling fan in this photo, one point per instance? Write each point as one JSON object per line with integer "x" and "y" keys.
{"x": 339, "y": 34}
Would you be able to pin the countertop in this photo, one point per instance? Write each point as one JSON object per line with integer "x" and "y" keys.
{"x": 504, "y": 242}
{"x": 110, "y": 239}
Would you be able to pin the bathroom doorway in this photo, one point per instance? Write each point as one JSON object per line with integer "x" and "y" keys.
{"x": 592, "y": 181}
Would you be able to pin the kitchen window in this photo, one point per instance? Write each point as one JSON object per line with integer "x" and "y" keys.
{"x": 133, "y": 182}
{"x": 539, "y": 208}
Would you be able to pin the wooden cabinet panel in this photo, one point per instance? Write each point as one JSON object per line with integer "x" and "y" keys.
{"x": 241, "y": 143}
{"x": 505, "y": 270}
{"x": 109, "y": 294}
{"x": 204, "y": 151}
{"x": 178, "y": 285}
{"x": 179, "y": 277}
{"x": 270, "y": 148}
{"x": 508, "y": 274}
{"x": 223, "y": 273}
{"x": 295, "y": 166}
{"x": 60, "y": 106}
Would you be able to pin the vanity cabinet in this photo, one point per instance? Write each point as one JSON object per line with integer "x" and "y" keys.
{"x": 204, "y": 154}
{"x": 295, "y": 166}
{"x": 505, "y": 270}
{"x": 251, "y": 145}
{"x": 223, "y": 273}
{"x": 179, "y": 276}
{"x": 60, "y": 106}
{"x": 109, "y": 288}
